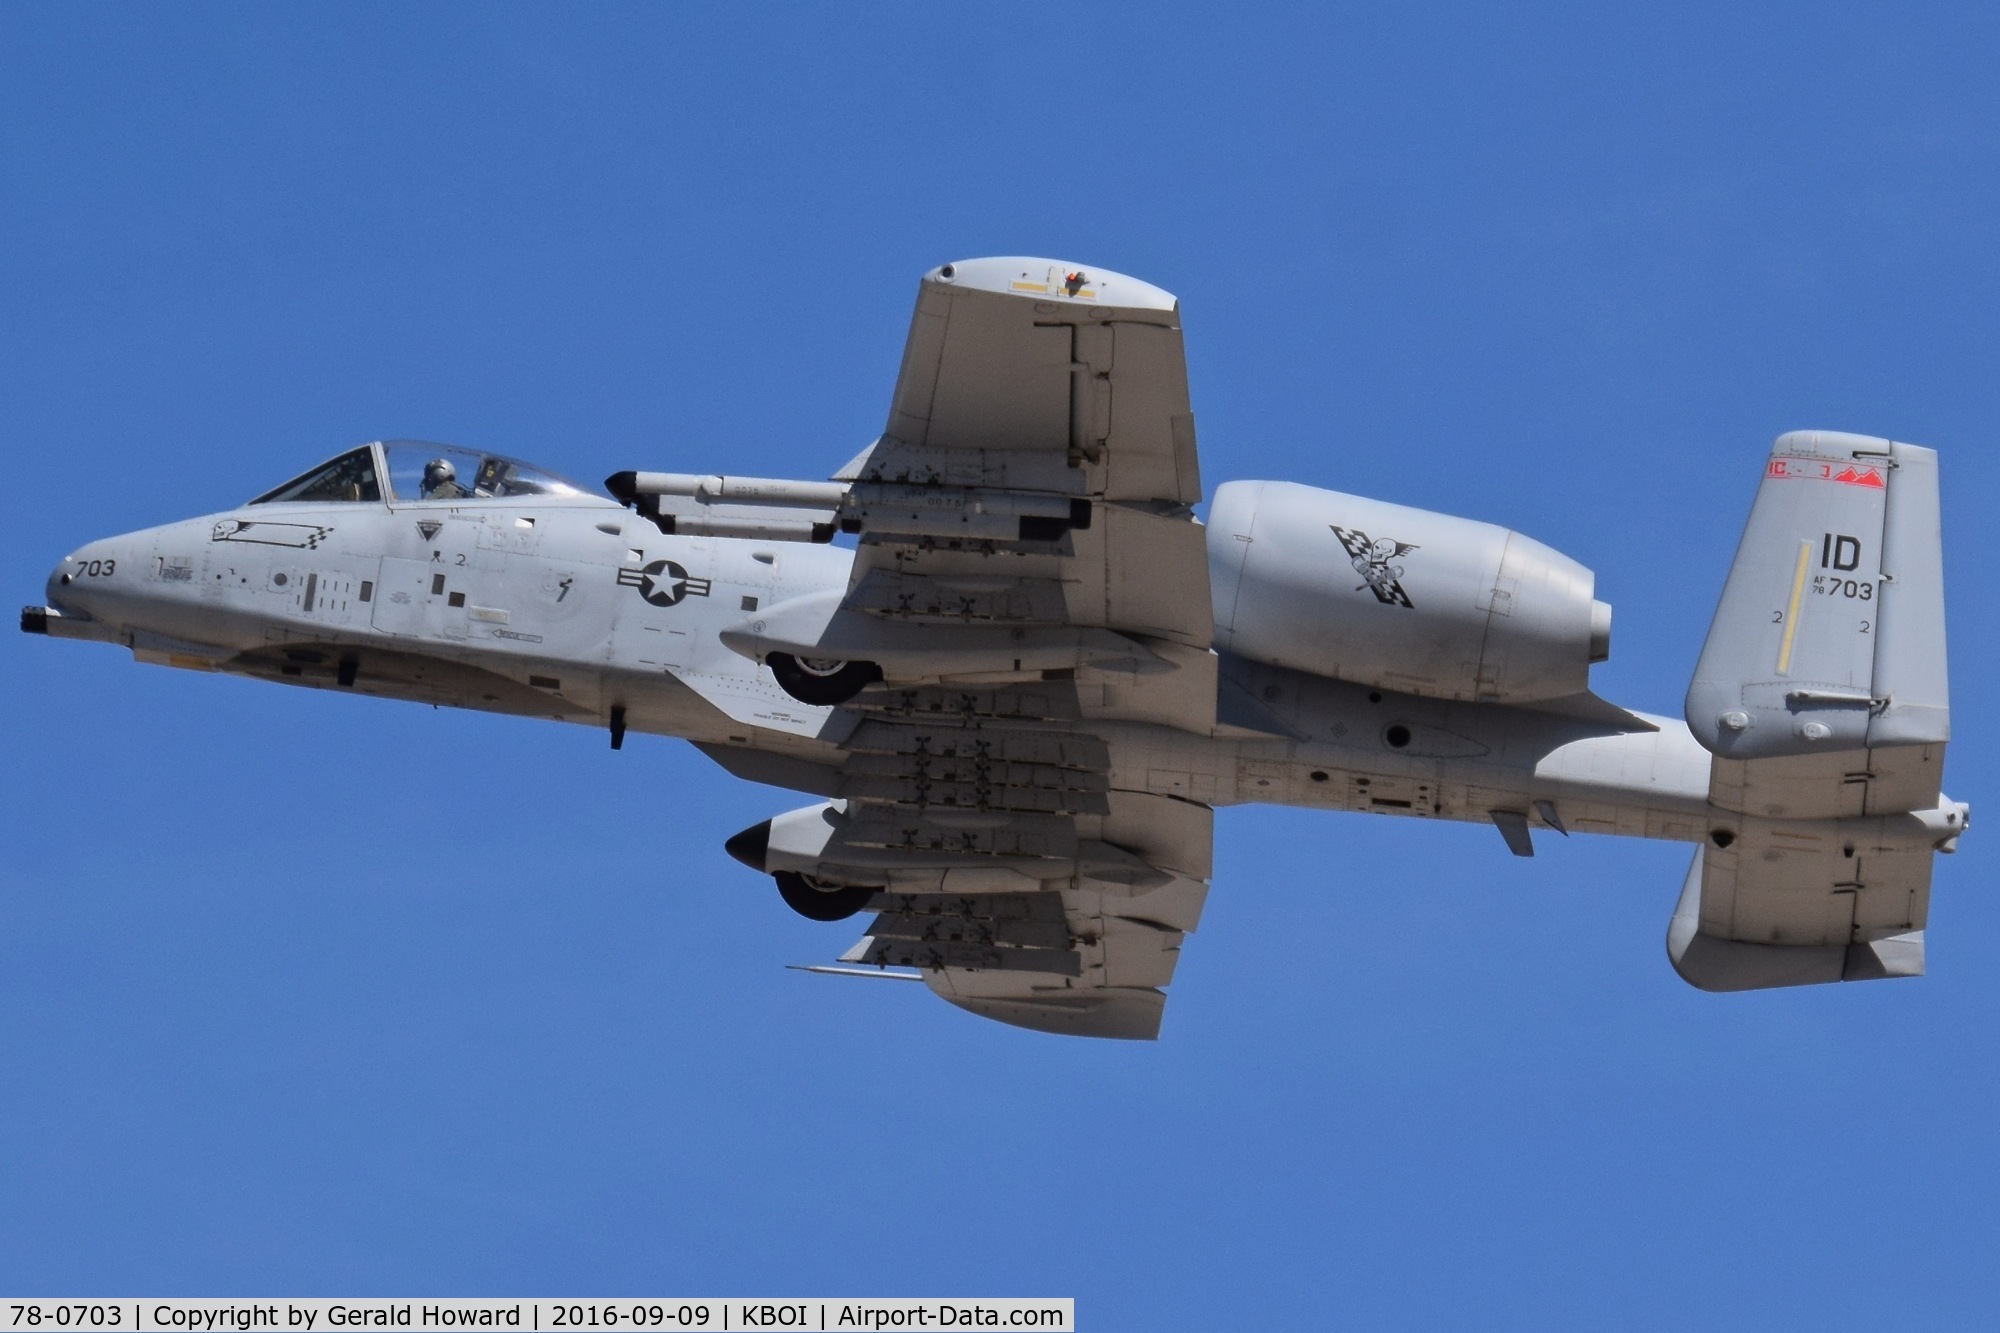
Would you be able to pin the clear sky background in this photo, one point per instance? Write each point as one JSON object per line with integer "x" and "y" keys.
{"x": 303, "y": 994}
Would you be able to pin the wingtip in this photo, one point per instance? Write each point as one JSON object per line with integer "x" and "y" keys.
{"x": 1053, "y": 280}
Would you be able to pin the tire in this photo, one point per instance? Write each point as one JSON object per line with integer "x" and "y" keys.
{"x": 815, "y": 902}
{"x": 824, "y": 683}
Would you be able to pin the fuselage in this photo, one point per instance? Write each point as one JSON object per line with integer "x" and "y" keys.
{"x": 570, "y": 607}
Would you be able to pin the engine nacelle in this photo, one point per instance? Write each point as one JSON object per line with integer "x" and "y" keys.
{"x": 1404, "y": 599}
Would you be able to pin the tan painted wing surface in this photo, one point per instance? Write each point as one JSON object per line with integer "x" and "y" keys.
{"x": 1034, "y": 484}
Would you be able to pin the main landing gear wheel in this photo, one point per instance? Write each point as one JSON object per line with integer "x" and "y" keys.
{"x": 816, "y": 901}
{"x": 821, "y": 680}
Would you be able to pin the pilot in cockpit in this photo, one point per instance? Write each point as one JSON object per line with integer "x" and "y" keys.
{"x": 441, "y": 481}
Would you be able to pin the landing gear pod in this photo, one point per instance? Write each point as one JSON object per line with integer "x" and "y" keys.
{"x": 816, "y": 900}
{"x": 821, "y": 681}
{"x": 780, "y": 846}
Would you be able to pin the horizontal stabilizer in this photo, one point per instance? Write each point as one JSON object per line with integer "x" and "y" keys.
{"x": 1785, "y": 903}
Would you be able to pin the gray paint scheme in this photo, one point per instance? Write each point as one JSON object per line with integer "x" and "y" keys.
{"x": 1830, "y": 631}
{"x": 1030, "y": 786}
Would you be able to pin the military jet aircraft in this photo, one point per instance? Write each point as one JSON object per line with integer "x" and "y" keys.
{"x": 1023, "y": 689}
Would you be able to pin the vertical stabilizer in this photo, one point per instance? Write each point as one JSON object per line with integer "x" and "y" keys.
{"x": 1821, "y": 693}
{"x": 1829, "y": 638}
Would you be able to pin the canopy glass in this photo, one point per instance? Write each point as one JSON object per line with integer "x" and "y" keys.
{"x": 419, "y": 471}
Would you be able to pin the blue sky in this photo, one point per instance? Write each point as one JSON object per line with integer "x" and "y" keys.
{"x": 302, "y": 994}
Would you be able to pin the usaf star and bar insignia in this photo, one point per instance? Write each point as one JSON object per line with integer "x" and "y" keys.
{"x": 662, "y": 583}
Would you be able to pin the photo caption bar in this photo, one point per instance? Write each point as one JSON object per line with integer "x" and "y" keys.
{"x": 129, "y": 1314}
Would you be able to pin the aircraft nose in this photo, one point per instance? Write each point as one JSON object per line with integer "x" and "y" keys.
{"x": 82, "y": 576}
{"x": 81, "y": 591}
{"x": 103, "y": 580}
{"x": 116, "y": 586}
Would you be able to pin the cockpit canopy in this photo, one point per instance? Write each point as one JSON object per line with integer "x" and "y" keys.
{"x": 415, "y": 471}
{"x": 352, "y": 476}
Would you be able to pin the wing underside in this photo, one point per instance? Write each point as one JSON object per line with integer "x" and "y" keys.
{"x": 1033, "y": 488}
{"x": 1025, "y": 886}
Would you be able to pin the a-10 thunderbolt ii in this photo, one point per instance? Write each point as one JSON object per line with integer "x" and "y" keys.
{"x": 1022, "y": 691}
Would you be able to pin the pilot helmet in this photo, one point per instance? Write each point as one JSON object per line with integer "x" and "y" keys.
{"x": 437, "y": 472}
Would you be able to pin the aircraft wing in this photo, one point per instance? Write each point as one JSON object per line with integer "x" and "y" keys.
{"x": 1038, "y": 466}
{"x": 1033, "y": 488}
{"x": 1047, "y": 367}
{"x": 1025, "y": 883}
